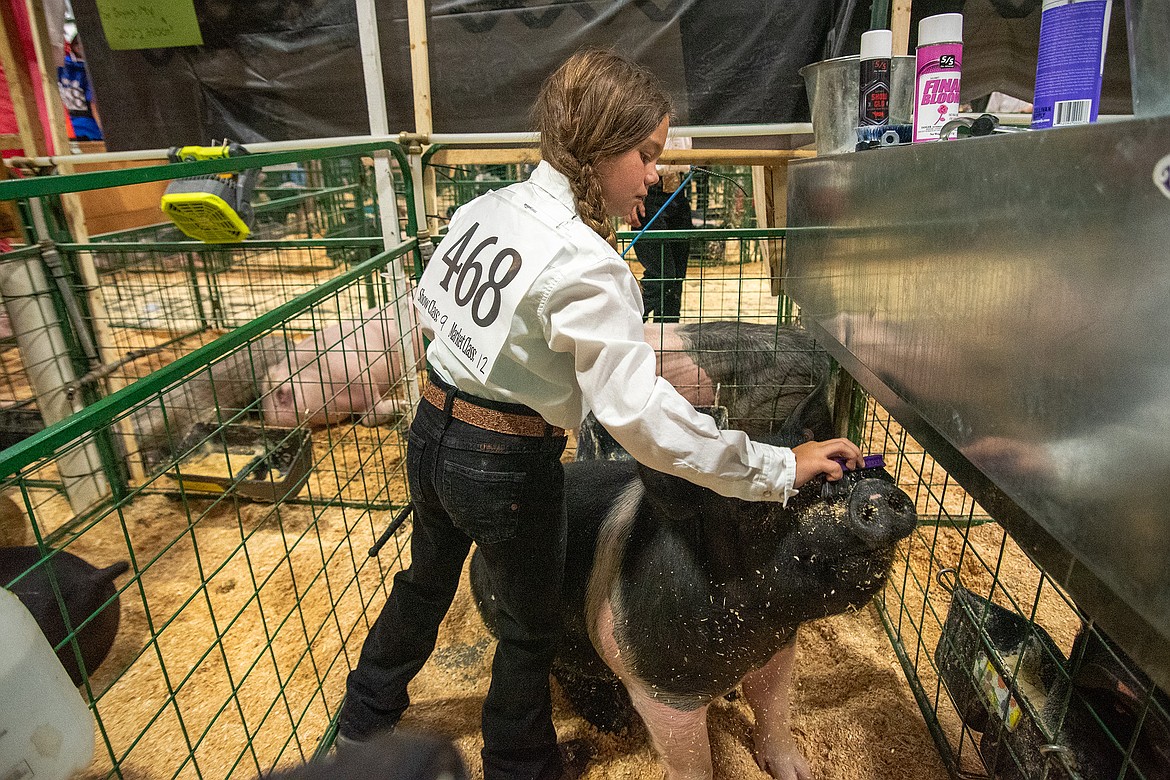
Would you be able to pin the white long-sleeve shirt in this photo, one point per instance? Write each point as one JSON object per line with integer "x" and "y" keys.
{"x": 576, "y": 344}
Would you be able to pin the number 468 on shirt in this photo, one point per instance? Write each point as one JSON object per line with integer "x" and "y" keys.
{"x": 483, "y": 294}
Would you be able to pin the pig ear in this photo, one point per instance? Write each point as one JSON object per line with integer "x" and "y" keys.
{"x": 108, "y": 574}
{"x": 811, "y": 420}
{"x": 673, "y": 496}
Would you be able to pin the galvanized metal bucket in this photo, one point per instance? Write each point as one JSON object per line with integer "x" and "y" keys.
{"x": 832, "y": 97}
{"x": 1148, "y": 25}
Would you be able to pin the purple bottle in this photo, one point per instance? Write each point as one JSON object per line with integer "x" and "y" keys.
{"x": 1073, "y": 37}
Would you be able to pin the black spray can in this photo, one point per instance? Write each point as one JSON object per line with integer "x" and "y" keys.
{"x": 874, "y": 79}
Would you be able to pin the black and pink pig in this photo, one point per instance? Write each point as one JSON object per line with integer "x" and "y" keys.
{"x": 675, "y": 596}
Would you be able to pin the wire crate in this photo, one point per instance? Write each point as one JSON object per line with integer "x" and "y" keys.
{"x": 152, "y": 295}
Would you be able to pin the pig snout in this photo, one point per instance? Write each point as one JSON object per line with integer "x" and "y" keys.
{"x": 278, "y": 405}
{"x": 880, "y": 513}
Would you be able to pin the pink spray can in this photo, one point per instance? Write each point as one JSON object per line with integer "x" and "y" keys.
{"x": 936, "y": 80}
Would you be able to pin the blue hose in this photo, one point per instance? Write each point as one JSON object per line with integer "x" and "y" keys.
{"x": 673, "y": 195}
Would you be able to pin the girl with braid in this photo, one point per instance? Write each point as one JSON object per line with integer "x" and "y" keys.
{"x": 534, "y": 320}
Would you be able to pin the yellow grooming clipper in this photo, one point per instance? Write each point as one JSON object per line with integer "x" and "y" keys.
{"x": 217, "y": 207}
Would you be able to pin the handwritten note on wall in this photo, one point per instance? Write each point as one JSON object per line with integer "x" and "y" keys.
{"x": 149, "y": 24}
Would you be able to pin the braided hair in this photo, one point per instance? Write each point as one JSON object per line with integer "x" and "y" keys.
{"x": 596, "y": 105}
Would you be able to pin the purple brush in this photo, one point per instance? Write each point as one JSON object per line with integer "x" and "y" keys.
{"x": 868, "y": 462}
{"x": 840, "y": 488}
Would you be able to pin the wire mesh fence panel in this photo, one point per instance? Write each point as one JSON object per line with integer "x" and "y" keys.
{"x": 14, "y": 389}
{"x": 174, "y": 296}
{"x": 247, "y": 587}
{"x": 327, "y": 198}
{"x": 722, "y": 197}
{"x": 729, "y": 273}
{"x": 726, "y": 287}
{"x": 1013, "y": 679}
{"x": 19, "y": 415}
{"x": 246, "y": 527}
{"x": 133, "y": 300}
{"x": 458, "y": 184}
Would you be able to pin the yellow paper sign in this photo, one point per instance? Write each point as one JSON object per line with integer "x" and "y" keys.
{"x": 149, "y": 24}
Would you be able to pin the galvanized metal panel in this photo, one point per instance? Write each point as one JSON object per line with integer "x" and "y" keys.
{"x": 1008, "y": 298}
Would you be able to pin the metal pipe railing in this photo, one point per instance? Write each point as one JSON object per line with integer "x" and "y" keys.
{"x": 470, "y": 139}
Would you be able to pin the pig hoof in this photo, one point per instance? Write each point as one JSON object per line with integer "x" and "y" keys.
{"x": 575, "y": 757}
{"x": 387, "y": 410}
{"x": 373, "y": 420}
{"x": 782, "y": 759}
{"x": 604, "y": 703}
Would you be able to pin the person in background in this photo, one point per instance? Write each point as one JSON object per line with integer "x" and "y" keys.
{"x": 665, "y": 262}
{"x": 534, "y": 320}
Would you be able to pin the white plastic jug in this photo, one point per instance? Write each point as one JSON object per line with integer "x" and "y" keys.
{"x": 46, "y": 729}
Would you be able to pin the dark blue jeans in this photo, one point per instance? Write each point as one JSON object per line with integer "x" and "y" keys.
{"x": 665, "y": 261}
{"x": 505, "y": 493}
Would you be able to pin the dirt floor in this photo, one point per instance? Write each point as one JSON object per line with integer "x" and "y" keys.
{"x": 854, "y": 716}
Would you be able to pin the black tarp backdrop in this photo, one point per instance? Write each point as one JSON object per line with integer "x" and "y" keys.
{"x": 267, "y": 70}
{"x": 272, "y": 70}
{"x": 283, "y": 69}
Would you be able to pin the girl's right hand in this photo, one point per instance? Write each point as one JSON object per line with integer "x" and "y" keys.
{"x": 816, "y": 457}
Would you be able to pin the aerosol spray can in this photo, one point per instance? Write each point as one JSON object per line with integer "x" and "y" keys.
{"x": 936, "y": 79}
{"x": 874, "y": 79}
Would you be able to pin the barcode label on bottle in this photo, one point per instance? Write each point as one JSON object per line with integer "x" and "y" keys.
{"x": 1071, "y": 112}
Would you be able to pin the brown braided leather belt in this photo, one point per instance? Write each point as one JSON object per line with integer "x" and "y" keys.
{"x": 491, "y": 419}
